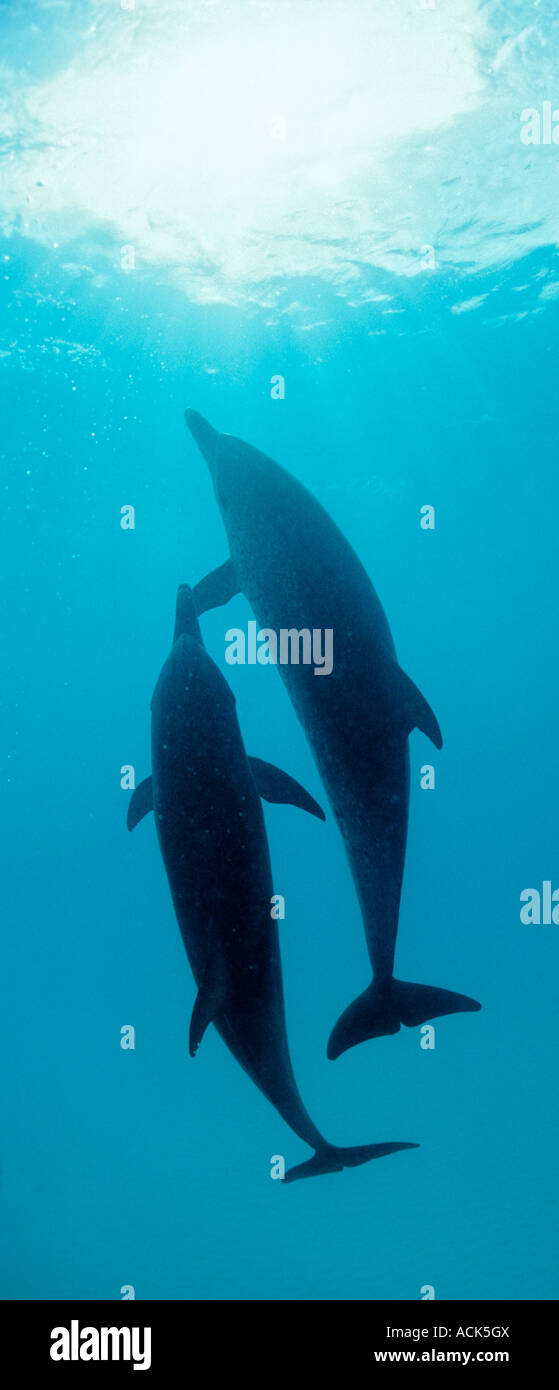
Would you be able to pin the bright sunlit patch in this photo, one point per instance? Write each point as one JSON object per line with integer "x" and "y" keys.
{"x": 235, "y": 142}
{"x": 467, "y": 305}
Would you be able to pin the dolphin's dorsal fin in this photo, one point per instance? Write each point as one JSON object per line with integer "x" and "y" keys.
{"x": 274, "y": 785}
{"x": 216, "y": 588}
{"x": 140, "y": 803}
{"x": 413, "y": 710}
{"x": 212, "y": 995}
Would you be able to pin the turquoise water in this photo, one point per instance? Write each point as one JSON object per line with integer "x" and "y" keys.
{"x": 404, "y": 387}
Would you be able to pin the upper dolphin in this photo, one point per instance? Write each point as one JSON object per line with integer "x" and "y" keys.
{"x": 205, "y": 793}
{"x": 297, "y": 570}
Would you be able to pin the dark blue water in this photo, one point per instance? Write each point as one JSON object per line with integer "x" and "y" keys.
{"x": 144, "y": 1167}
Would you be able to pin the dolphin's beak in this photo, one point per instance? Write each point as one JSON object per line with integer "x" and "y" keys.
{"x": 204, "y": 434}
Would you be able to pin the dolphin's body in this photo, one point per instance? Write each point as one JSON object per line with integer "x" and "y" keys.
{"x": 298, "y": 571}
{"x": 212, "y": 836}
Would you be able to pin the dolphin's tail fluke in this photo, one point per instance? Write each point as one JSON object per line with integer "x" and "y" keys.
{"x": 332, "y": 1159}
{"x": 379, "y": 1011}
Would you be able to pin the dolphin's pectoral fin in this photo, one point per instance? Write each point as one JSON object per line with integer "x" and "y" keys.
{"x": 211, "y": 999}
{"x": 140, "y": 803}
{"x": 276, "y": 786}
{"x": 216, "y": 588}
{"x": 205, "y": 1010}
{"x": 414, "y": 711}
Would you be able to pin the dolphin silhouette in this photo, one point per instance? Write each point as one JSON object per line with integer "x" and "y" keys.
{"x": 205, "y": 793}
{"x": 297, "y": 570}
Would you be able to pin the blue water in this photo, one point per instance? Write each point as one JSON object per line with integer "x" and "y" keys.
{"x": 145, "y": 1167}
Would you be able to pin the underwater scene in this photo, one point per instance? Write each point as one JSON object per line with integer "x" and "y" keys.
{"x": 278, "y": 350}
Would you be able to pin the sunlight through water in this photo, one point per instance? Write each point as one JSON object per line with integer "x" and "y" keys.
{"x": 231, "y": 143}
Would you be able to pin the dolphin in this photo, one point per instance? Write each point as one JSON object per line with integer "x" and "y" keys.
{"x": 298, "y": 571}
{"x": 205, "y": 793}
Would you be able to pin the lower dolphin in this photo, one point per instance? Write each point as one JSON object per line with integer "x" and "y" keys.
{"x": 298, "y": 571}
{"x": 205, "y": 794}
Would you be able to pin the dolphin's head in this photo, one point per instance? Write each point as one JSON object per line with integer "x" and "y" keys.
{"x": 187, "y": 672}
{"x": 206, "y": 438}
{"x": 248, "y": 487}
{"x": 180, "y": 675}
{"x": 191, "y": 699}
{"x": 186, "y": 621}
{"x": 235, "y": 468}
